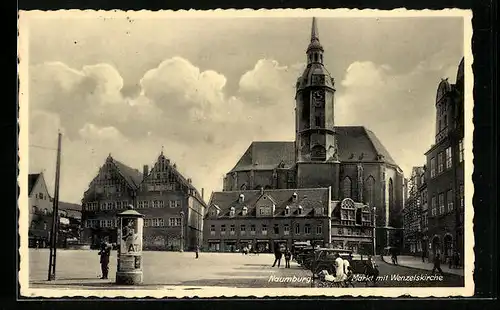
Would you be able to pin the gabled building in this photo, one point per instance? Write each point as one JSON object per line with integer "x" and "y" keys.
{"x": 351, "y": 160}
{"x": 413, "y": 213}
{"x": 445, "y": 174}
{"x": 173, "y": 208}
{"x": 266, "y": 218}
{"x": 40, "y": 206}
{"x": 170, "y": 204}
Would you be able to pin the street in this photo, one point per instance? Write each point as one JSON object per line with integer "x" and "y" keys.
{"x": 79, "y": 269}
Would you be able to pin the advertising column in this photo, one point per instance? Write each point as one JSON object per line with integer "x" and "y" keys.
{"x": 129, "y": 258}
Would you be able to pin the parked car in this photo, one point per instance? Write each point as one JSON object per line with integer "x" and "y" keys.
{"x": 324, "y": 259}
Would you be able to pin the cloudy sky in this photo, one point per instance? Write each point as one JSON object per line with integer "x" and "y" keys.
{"x": 204, "y": 88}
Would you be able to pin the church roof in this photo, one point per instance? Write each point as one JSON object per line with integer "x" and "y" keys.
{"x": 307, "y": 198}
{"x": 267, "y": 155}
{"x": 355, "y": 144}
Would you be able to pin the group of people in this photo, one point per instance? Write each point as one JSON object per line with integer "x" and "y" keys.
{"x": 278, "y": 254}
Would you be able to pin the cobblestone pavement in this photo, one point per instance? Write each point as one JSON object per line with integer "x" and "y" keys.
{"x": 79, "y": 269}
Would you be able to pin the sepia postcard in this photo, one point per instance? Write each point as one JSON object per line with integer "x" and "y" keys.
{"x": 246, "y": 153}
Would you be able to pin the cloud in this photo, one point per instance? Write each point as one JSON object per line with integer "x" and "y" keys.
{"x": 178, "y": 106}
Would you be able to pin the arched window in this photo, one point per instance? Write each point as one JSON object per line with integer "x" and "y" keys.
{"x": 369, "y": 191}
{"x": 347, "y": 187}
{"x": 244, "y": 211}
{"x": 287, "y": 210}
{"x": 232, "y": 211}
{"x": 391, "y": 194}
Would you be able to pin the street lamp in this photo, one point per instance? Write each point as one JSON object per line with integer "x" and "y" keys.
{"x": 182, "y": 231}
{"x": 374, "y": 232}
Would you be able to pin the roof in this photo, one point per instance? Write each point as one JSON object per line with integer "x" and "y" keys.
{"x": 307, "y": 198}
{"x": 72, "y": 209}
{"x": 355, "y": 144}
{"x": 131, "y": 175}
{"x": 267, "y": 155}
{"x": 32, "y": 178}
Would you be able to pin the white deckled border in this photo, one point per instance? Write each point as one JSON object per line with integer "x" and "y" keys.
{"x": 180, "y": 291}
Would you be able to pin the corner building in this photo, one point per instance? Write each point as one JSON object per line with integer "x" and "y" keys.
{"x": 445, "y": 173}
{"x": 350, "y": 160}
{"x": 172, "y": 207}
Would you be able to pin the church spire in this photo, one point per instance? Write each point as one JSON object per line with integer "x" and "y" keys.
{"x": 314, "y": 31}
{"x": 315, "y": 49}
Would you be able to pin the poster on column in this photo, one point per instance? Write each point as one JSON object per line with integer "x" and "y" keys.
{"x": 131, "y": 236}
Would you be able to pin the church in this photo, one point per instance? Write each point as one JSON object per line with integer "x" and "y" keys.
{"x": 350, "y": 162}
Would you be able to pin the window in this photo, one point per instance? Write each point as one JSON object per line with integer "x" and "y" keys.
{"x": 341, "y": 231}
{"x": 450, "y": 200}
{"x": 307, "y": 229}
{"x": 319, "y": 229}
{"x": 317, "y": 120}
{"x": 358, "y": 217}
{"x": 109, "y": 223}
{"x": 161, "y": 222}
{"x": 433, "y": 206}
{"x": 119, "y": 204}
{"x": 346, "y": 187}
{"x": 214, "y": 212}
{"x": 111, "y": 205}
{"x": 243, "y": 229}
{"x": 297, "y": 229}
{"x": 171, "y": 204}
{"x": 369, "y": 190}
{"x": 449, "y": 160}
{"x": 433, "y": 167}
{"x": 252, "y": 229}
{"x": 287, "y": 210}
{"x": 441, "y": 203}
{"x": 102, "y": 223}
{"x": 222, "y": 229}
{"x": 40, "y": 195}
{"x": 264, "y": 229}
{"x": 244, "y": 211}
{"x": 299, "y": 210}
{"x": 232, "y": 211}
{"x": 156, "y": 203}
{"x": 276, "y": 229}
{"x": 440, "y": 162}
{"x": 231, "y": 230}
{"x": 174, "y": 221}
{"x": 161, "y": 204}
{"x": 212, "y": 230}
{"x": 286, "y": 230}
{"x": 461, "y": 150}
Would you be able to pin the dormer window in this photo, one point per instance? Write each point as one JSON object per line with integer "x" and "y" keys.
{"x": 287, "y": 210}
{"x": 214, "y": 212}
{"x": 295, "y": 197}
{"x": 241, "y": 198}
{"x": 231, "y": 211}
{"x": 299, "y": 210}
{"x": 244, "y": 211}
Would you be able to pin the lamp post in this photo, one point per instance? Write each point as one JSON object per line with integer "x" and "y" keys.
{"x": 374, "y": 232}
{"x": 182, "y": 231}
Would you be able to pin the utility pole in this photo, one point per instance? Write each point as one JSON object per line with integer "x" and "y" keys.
{"x": 55, "y": 216}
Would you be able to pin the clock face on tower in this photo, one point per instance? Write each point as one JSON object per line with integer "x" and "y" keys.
{"x": 318, "y": 98}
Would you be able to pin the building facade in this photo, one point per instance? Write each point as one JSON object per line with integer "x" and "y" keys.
{"x": 412, "y": 214}
{"x": 348, "y": 159}
{"x": 172, "y": 207}
{"x": 266, "y": 218}
{"x": 445, "y": 173}
{"x": 40, "y": 216}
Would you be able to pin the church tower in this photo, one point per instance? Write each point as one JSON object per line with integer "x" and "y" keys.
{"x": 315, "y": 134}
{"x": 315, "y": 141}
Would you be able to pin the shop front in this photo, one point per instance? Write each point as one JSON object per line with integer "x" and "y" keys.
{"x": 214, "y": 245}
{"x": 230, "y": 245}
{"x": 246, "y": 243}
{"x": 263, "y": 246}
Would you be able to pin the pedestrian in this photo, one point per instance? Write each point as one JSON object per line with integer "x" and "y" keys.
{"x": 339, "y": 269}
{"x": 277, "y": 256}
{"x": 288, "y": 257}
{"x": 104, "y": 252}
{"x": 197, "y": 251}
{"x": 437, "y": 264}
{"x": 423, "y": 256}
{"x": 348, "y": 271}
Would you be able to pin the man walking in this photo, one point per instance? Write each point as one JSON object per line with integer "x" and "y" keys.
{"x": 277, "y": 256}
{"x": 437, "y": 264}
{"x": 104, "y": 252}
{"x": 197, "y": 251}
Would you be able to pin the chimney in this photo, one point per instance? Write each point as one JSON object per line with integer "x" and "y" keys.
{"x": 145, "y": 171}
{"x": 202, "y": 193}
